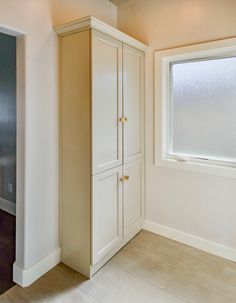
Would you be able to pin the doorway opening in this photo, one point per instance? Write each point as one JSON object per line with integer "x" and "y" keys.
{"x": 8, "y": 139}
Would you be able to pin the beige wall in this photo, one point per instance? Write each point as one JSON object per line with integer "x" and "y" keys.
{"x": 198, "y": 204}
{"x": 36, "y": 19}
{"x": 63, "y": 11}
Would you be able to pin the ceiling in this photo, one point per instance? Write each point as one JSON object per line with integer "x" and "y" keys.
{"x": 118, "y": 2}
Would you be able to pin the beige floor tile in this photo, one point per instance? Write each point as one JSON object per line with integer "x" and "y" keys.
{"x": 75, "y": 296}
{"x": 168, "y": 250}
{"x": 210, "y": 264}
{"x": 150, "y": 269}
{"x": 129, "y": 257}
{"x": 143, "y": 240}
{"x": 4, "y": 299}
{"x": 198, "y": 260}
{"x": 51, "y": 286}
{"x": 144, "y": 265}
{"x": 155, "y": 271}
{"x": 198, "y": 287}
{"x": 124, "y": 287}
{"x": 72, "y": 274}
{"x": 228, "y": 273}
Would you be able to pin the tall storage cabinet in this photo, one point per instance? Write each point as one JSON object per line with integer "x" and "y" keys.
{"x": 101, "y": 142}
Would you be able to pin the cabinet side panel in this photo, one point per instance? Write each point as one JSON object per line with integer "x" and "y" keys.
{"x": 75, "y": 151}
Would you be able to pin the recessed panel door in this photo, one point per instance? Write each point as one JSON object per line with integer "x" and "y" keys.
{"x": 106, "y": 212}
{"x": 133, "y": 103}
{"x": 106, "y": 102}
{"x": 133, "y": 196}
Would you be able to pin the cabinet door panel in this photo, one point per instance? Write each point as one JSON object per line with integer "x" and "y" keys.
{"x": 106, "y": 102}
{"x": 107, "y": 212}
{"x": 133, "y": 196}
{"x": 133, "y": 103}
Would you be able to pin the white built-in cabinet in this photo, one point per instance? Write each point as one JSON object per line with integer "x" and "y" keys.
{"x": 101, "y": 142}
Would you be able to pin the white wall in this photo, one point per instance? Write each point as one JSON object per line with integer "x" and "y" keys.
{"x": 36, "y": 18}
{"x": 198, "y": 204}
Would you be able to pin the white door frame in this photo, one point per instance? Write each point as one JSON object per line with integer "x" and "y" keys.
{"x": 20, "y": 142}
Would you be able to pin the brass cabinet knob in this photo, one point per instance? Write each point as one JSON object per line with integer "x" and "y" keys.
{"x": 124, "y": 119}
{"x": 125, "y": 178}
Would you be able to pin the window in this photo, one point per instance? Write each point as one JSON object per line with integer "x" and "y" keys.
{"x": 196, "y": 107}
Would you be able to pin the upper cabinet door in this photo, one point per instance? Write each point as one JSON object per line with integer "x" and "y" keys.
{"x": 133, "y": 103}
{"x": 106, "y": 102}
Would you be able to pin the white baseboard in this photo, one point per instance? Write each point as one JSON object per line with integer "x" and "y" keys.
{"x": 26, "y": 276}
{"x": 191, "y": 240}
{"x": 8, "y": 206}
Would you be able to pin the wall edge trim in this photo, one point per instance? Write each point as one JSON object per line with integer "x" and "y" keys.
{"x": 26, "y": 276}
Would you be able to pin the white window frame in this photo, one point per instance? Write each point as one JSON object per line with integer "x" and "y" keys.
{"x": 163, "y": 60}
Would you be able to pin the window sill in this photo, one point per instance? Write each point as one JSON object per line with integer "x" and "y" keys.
{"x": 198, "y": 167}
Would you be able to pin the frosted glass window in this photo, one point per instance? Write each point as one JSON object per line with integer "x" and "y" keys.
{"x": 203, "y": 109}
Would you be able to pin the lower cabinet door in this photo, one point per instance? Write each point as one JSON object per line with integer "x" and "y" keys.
{"x": 133, "y": 196}
{"x": 106, "y": 213}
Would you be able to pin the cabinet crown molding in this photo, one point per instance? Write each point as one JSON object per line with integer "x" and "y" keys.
{"x": 93, "y": 23}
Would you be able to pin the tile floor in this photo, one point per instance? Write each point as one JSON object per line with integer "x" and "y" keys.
{"x": 149, "y": 269}
{"x": 7, "y": 250}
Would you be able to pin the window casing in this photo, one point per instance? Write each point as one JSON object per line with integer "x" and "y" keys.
{"x": 195, "y": 102}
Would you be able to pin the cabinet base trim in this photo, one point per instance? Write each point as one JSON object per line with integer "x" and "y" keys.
{"x": 26, "y": 276}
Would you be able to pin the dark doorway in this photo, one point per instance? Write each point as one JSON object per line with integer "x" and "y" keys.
{"x": 7, "y": 158}
{"x": 7, "y": 250}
